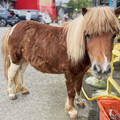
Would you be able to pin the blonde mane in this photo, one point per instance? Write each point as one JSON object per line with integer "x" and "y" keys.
{"x": 96, "y": 21}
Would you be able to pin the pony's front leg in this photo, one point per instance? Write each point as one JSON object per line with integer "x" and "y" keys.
{"x": 78, "y": 85}
{"x": 11, "y": 85}
{"x": 70, "y": 84}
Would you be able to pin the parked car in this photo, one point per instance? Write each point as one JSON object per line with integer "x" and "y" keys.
{"x": 7, "y": 17}
{"x": 22, "y": 14}
{"x": 46, "y": 18}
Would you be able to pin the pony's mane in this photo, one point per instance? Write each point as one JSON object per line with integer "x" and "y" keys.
{"x": 96, "y": 21}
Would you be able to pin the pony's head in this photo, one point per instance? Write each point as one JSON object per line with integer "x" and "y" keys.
{"x": 94, "y": 32}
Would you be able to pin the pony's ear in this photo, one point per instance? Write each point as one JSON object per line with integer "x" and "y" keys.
{"x": 84, "y": 10}
{"x": 117, "y": 11}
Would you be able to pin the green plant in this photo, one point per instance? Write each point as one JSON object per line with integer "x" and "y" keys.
{"x": 72, "y": 4}
{"x": 77, "y": 5}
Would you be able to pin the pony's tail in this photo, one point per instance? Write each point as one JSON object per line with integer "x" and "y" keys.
{"x": 6, "y": 60}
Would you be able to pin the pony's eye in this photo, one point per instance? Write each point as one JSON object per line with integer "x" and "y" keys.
{"x": 114, "y": 36}
{"x": 88, "y": 36}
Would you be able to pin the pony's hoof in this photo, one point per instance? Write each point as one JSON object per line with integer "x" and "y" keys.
{"x": 25, "y": 92}
{"x": 82, "y": 105}
{"x": 12, "y": 96}
{"x": 80, "y": 102}
{"x": 73, "y": 114}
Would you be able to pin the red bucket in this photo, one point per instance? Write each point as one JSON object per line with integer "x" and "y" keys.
{"x": 109, "y": 109}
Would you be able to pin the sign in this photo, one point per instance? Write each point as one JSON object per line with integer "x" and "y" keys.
{"x": 113, "y": 3}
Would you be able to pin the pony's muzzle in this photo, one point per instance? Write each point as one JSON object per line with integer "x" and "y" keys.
{"x": 103, "y": 71}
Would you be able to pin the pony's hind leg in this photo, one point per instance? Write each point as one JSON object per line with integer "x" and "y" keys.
{"x": 70, "y": 84}
{"x": 78, "y": 85}
{"x": 20, "y": 87}
{"x": 11, "y": 85}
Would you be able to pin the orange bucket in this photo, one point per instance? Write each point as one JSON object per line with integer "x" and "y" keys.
{"x": 109, "y": 109}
